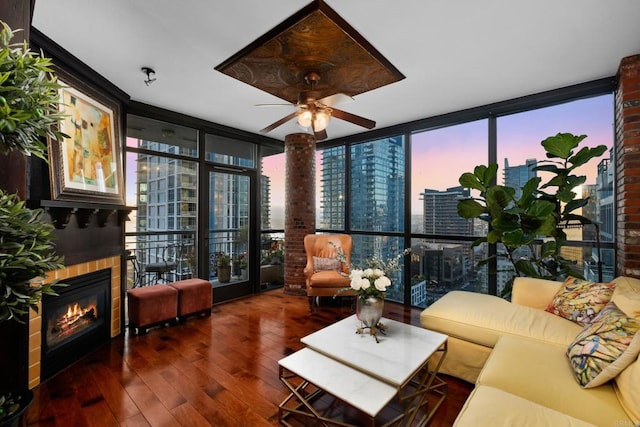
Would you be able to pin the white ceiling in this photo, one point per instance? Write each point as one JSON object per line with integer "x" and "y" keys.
{"x": 455, "y": 54}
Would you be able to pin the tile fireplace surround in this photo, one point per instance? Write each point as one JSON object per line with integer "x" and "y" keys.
{"x": 35, "y": 319}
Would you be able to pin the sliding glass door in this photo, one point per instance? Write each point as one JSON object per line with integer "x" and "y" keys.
{"x": 227, "y": 235}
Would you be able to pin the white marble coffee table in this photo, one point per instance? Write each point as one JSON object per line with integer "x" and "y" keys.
{"x": 365, "y": 374}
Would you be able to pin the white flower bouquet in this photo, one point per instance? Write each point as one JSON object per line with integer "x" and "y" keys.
{"x": 372, "y": 281}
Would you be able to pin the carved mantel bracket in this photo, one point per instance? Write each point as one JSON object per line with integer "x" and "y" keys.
{"x": 62, "y": 211}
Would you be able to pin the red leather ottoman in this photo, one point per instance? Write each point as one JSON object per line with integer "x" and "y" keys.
{"x": 151, "y": 305}
{"x": 194, "y": 297}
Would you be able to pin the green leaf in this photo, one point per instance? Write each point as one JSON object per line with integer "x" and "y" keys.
{"x": 470, "y": 208}
{"x": 585, "y": 154}
{"x": 514, "y": 238}
{"x": 541, "y": 208}
{"x": 561, "y": 145}
{"x": 526, "y": 268}
{"x": 506, "y": 223}
{"x": 546, "y": 168}
{"x": 494, "y": 236}
{"x": 499, "y": 197}
{"x": 469, "y": 180}
{"x": 574, "y": 204}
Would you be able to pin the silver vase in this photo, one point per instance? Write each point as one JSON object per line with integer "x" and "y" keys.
{"x": 369, "y": 311}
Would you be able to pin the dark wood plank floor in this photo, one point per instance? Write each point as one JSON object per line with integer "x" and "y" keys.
{"x": 220, "y": 370}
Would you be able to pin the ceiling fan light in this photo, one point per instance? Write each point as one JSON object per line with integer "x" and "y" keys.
{"x": 321, "y": 120}
{"x": 304, "y": 118}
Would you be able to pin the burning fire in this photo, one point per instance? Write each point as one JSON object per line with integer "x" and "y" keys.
{"x": 74, "y": 314}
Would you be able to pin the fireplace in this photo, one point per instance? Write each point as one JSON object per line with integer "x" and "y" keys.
{"x": 76, "y": 322}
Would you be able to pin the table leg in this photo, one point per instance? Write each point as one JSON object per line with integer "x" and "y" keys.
{"x": 303, "y": 402}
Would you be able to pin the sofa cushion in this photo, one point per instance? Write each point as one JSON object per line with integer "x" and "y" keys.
{"x": 491, "y": 407}
{"x": 329, "y": 279}
{"x": 580, "y": 300}
{"x": 326, "y": 264}
{"x": 626, "y": 295}
{"x": 627, "y": 386}
{"x": 604, "y": 347}
{"x": 532, "y": 292}
{"x": 541, "y": 373}
{"x": 482, "y": 319}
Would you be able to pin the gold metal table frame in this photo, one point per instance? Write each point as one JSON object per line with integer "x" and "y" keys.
{"x": 412, "y": 396}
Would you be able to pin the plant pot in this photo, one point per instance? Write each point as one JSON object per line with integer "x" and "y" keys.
{"x": 224, "y": 274}
{"x": 26, "y": 397}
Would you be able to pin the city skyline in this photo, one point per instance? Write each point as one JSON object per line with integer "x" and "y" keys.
{"x": 448, "y": 152}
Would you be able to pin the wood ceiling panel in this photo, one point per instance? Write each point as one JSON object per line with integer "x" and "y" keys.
{"x": 315, "y": 39}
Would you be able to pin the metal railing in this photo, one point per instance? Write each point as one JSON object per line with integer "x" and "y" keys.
{"x": 157, "y": 257}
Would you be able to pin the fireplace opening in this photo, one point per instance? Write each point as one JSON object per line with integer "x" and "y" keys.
{"x": 76, "y": 322}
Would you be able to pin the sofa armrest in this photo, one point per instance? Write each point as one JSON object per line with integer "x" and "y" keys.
{"x": 536, "y": 293}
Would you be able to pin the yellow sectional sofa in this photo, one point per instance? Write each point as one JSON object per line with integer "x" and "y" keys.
{"x": 516, "y": 354}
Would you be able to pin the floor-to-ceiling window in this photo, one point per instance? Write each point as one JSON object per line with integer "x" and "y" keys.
{"x": 162, "y": 182}
{"x": 519, "y": 151}
{"x": 272, "y": 201}
{"x": 443, "y": 257}
{"x": 400, "y": 189}
{"x": 442, "y": 260}
{"x": 192, "y": 192}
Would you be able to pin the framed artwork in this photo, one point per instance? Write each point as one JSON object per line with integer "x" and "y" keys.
{"x": 87, "y": 166}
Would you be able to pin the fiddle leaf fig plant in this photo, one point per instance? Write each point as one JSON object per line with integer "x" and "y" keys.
{"x": 26, "y": 253}
{"x": 536, "y": 218}
{"x": 29, "y": 98}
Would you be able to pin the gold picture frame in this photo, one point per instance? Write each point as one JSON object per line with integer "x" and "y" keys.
{"x": 87, "y": 166}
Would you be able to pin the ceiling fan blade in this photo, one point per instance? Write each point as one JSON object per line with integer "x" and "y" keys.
{"x": 320, "y": 135}
{"x": 282, "y": 121}
{"x": 335, "y": 99}
{"x": 276, "y": 105}
{"x": 349, "y": 117}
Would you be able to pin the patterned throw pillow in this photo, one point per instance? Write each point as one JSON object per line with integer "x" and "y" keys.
{"x": 580, "y": 300}
{"x": 326, "y": 264}
{"x": 604, "y": 347}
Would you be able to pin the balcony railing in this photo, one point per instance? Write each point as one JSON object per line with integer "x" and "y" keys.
{"x": 156, "y": 257}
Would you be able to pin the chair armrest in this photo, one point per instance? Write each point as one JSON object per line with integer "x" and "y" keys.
{"x": 536, "y": 293}
{"x": 308, "y": 270}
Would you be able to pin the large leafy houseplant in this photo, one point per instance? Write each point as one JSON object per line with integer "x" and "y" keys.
{"x": 536, "y": 219}
{"x": 28, "y": 113}
{"x": 26, "y": 253}
{"x": 29, "y": 98}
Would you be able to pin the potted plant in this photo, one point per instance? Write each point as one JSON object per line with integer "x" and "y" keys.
{"x": 29, "y": 99}
{"x": 242, "y": 265}
{"x": 538, "y": 215}
{"x": 28, "y": 112}
{"x": 223, "y": 267}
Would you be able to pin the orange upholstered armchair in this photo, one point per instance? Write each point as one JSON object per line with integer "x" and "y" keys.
{"x": 323, "y": 270}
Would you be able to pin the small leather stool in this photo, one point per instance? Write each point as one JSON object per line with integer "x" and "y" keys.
{"x": 195, "y": 296}
{"x": 150, "y": 306}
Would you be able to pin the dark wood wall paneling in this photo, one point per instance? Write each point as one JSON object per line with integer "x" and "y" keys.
{"x": 79, "y": 242}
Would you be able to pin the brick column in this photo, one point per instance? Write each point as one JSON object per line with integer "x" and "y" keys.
{"x": 300, "y": 207}
{"x": 627, "y": 136}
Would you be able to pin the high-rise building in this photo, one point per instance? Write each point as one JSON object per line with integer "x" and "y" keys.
{"x": 265, "y": 202}
{"x": 517, "y": 176}
{"x": 332, "y": 187}
{"x": 600, "y": 210}
{"x": 441, "y": 212}
{"x": 377, "y": 192}
{"x": 166, "y": 189}
{"x": 376, "y": 200}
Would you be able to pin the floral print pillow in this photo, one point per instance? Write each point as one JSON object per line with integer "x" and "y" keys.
{"x": 604, "y": 347}
{"x": 326, "y": 264}
{"x": 580, "y": 300}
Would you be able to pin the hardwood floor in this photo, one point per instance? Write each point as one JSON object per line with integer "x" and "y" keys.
{"x": 220, "y": 370}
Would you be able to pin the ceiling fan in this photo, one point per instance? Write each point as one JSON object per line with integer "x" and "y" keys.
{"x": 316, "y": 113}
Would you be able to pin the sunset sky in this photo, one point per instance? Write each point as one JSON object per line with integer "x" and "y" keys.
{"x": 440, "y": 156}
